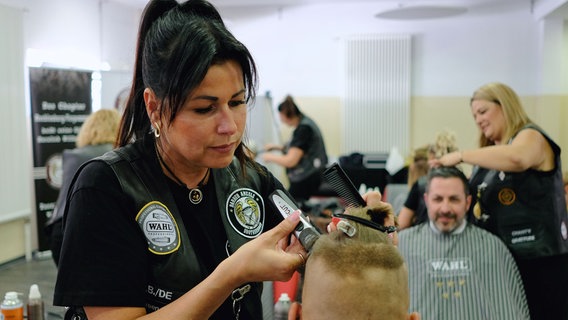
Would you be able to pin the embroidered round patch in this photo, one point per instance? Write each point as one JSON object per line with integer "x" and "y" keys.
{"x": 159, "y": 227}
{"x": 507, "y": 196}
{"x": 245, "y": 212}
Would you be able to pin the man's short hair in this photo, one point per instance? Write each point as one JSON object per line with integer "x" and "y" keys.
{"x": 448, "y": 172}
{"x": 366, "y": 272}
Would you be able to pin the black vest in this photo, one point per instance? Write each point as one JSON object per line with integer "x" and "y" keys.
{"x": 314, "y": 159}
{"x": 527, "y": 210}
{"x": 174, "y": 269}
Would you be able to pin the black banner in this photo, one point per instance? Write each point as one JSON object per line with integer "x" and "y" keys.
{"x": 60, "y": 101}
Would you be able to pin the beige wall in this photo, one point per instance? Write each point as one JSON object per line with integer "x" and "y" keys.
{"x": 12, "y": 238}
{"x": 429, "y": 115}
{"x": 325, "y": 111}
{"x": 551, "y": 113}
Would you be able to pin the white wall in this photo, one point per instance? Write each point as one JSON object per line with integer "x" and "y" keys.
{"x": 553, "y": 77}
{"x": 64, "y": 33}
{"x": 78, "y": 34}
{"x": 299, "y": 49}
{"x": 59, "y": 33}
{"x": 15, "y": 162}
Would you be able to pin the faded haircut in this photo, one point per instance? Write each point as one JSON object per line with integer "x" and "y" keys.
{"x": 366, "y": 248}
{"x": 370, "y": 280}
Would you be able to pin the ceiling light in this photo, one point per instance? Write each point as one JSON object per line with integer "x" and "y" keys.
{"x": 421, "y": 12}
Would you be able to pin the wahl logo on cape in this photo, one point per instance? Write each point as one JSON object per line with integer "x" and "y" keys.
{"x": 245, "y": 212}
{"x": 449, "y": 267}
{"x": 159, "y": 227}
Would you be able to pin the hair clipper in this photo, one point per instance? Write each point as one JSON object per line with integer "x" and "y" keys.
{"x": 305, "y": 231}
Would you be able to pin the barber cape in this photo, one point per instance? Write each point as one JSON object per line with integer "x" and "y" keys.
{"x": 468, "y": 274}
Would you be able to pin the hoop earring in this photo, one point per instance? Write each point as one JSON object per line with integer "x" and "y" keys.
{"x": 156, "y": 130}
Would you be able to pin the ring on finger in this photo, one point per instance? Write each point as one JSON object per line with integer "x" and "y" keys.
{"x": 302, "y": 257}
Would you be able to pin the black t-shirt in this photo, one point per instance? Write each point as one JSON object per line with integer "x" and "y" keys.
{"x": 415, "y": 201}
{"x": 413, "y": 198}
{"x": 301, "y": 137}
{"x": 105, "y": 254}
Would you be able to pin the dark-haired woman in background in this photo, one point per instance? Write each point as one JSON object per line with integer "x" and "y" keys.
{"x": 304, "y": 156}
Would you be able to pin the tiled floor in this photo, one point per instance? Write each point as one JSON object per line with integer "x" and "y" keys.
{"x": 19, "y": 275}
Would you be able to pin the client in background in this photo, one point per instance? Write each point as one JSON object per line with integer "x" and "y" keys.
{"x": 96, "y": 136}
{"x": 456, "y": 269}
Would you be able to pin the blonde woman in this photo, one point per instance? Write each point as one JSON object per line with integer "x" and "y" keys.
{"x": 517, "y": 181}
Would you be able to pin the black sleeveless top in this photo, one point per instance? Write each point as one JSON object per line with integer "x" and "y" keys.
{"x": 527, "y": 210}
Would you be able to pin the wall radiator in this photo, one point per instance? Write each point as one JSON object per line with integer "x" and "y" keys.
{"x": 375, "y": 110}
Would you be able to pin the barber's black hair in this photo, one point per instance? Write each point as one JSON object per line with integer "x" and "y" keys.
{"x": 177, "y": 44}
{"x": 448, "y": 172}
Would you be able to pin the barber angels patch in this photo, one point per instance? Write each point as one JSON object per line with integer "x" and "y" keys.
{"x": 159, "y": 227}
{"x": 245, "y": 212}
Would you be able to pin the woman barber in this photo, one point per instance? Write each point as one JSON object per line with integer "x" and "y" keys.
{"x": 176, "y": 222}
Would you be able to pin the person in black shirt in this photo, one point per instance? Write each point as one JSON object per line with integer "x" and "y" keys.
{"x": 96, "y": 136}
{"x": 304, "y": 156}
{"x": 175, "y": 223}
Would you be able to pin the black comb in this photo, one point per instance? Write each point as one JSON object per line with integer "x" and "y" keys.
{"x": 343, "y": 186}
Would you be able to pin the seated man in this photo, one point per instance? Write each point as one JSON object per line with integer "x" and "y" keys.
{"x": 457, "y": 270}
{"x": 354, "y": 272}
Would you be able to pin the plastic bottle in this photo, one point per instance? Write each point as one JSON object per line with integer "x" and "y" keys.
{"x": 35, "y": 306}
{"x": 12, "y": 307}
{"x": 282, "y": 307}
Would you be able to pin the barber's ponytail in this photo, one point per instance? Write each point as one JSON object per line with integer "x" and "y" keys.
{"x": 134, "y": 121}
{"x": 202, "y": 9}
{"x": 289, "y": 108}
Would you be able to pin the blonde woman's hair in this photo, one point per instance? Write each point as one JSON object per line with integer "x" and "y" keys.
{"x": 100, "y": 127}
{"x": 419, "y": 166}
{"x": 515, "y": 116}
{"x": 445, "y": 143}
